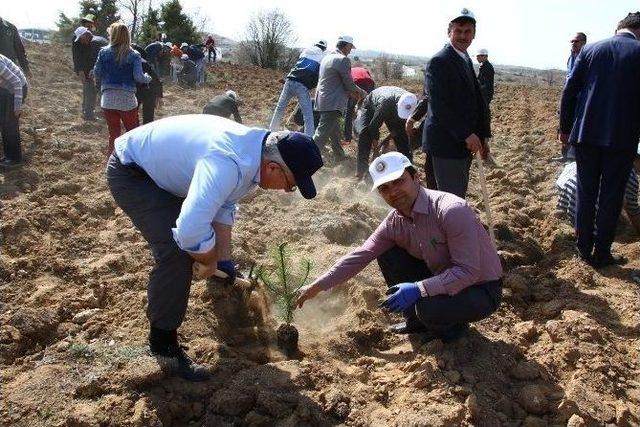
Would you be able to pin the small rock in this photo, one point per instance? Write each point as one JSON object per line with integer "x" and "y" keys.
{"x": 554, "y": 329}
{"x": 533, "y": 399}
{"x": 552, "y": 308}
{"x": 85, "y": 315}
{"x": 576, "y": 421}
{"x": 144, "y": 414}
{"x": 525, "y": 370}
{"x": 526, "y": 330}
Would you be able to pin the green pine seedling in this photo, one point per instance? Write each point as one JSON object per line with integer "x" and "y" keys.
{"x": 283, "y": 283}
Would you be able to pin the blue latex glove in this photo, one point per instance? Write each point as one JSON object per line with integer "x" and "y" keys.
{"x": 401, "y": 297}
{"x": 229, "y": 267}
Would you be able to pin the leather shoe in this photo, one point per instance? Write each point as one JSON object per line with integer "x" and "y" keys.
{"x": 408, "y": 327}
{"x": 8, "y": 163}
{"x": 601, "y": 260}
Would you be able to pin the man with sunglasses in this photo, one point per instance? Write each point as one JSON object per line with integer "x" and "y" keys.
{"x": 437, "y": 259}
{"x": 577, "y": 43}
{"x": 179, "y": 179}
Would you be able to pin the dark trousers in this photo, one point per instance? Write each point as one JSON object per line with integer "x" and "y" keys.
{"x": 153, "y": 212}
{"x": 451, "y": 175}
{"x": 351, "y": 109}
{"x": 441, "y": 314}
{"x": 10, "y": 126}
{"x": 602, "y": 177}
{"x": 211, "y": 51}
{"x": 365, "y": 140}
{"x": 148, "y": 109}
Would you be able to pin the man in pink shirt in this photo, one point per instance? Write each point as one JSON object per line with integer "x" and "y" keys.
{"x": 442, "y": 270}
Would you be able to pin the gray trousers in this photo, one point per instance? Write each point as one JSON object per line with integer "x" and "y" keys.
{"x": 452, "y": 175}
{"x": 89, "y": 92}
{"x": 329, "y": 131}
{"x": 153, "y": 212}
{"x": 441, "y": 314}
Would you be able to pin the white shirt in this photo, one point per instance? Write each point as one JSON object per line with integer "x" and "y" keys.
{"x": 210, "y": 161}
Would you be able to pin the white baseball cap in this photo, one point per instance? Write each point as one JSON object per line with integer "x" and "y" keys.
{"x": 346, "y": 39}
{"x": 482, "y": 52}
{"x": 233, "y": 95}
{"x": 388, "y": 167}
{"x": 464, "y": 13}
{"x": 184, "y": 57}
{"x": 79, "y": 32}
{"x": 406, "y": 104}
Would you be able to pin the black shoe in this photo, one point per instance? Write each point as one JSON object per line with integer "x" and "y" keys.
{"x": 581, "y": 254}
{"x": 9, "y": 164}
{"x": 172, "y": 357}
{"x": 601, "y": 260}
{"x": 408, "y": 327}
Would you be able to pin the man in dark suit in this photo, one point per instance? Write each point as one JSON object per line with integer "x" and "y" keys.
{"x": 600, "y": 117}
{"x": 486, "y": 75}
{"x": 457, "y": 121}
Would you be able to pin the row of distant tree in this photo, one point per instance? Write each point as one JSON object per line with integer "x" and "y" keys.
{"x": 146, "y": 24}
{"x": 266, "y": 42}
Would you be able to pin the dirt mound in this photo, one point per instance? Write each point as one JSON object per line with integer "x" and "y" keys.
{"x": 564, "y": 346}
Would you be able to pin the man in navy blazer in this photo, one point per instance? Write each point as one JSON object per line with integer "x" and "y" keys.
{"x": 600, "y": 116}
{"x": 457, "y": 121}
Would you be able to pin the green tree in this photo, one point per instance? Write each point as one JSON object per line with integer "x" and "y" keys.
{"x": 150, "y": 27}
{"x": 177, "y": 26}
{"x": 107, "y": 15}
{"x": 65, "y": 26}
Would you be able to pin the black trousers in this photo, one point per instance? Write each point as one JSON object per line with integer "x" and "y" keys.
{"x": 154, "y": 211}
{"x": 441, "y": 314}
{"x": 397, "y": 130}
{"x": 10, "y": 125}
{"x": 602, "y": 177}
{"x": 148, "y": 109}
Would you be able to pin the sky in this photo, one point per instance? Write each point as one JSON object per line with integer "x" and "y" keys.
{"x": 532, "y": 33}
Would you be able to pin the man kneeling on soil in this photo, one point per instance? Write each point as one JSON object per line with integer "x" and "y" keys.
{"x": 438, "y": 261}
{"x": 179, "y": 180}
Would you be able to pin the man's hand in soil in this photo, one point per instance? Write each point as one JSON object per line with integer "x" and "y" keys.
{"x": 401, "y": 297}
{"x": 408, "y": 127}
{"x": 228, "y": 267}
{"x": 204, "y": 271}
{"x": 305, "y": 293}
{"x": 473, "y": 143}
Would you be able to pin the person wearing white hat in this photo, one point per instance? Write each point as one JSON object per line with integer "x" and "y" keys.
{"x": 335, "y": 86}
{"x": 188, "y": 74}
{"x": 84, "y": 50}
{"x": 457, "y": 122}
{"x": 486, "y": 75}
{"x": 440, "y": 266}
{"x": 302, "y": 78}
{"x": 390, "y": 105}
{"x": 225, "y": 105}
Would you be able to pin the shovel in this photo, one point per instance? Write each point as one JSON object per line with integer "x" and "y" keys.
{"x": 485, "y": 198}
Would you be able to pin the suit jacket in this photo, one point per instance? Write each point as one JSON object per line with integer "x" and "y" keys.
{"x": 334, "y": 83}
{"x": 456, "y": 107}
{"x": 486, "y": 75}
{"x": 601, "y": 99}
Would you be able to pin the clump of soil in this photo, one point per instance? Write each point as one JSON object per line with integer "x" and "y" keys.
{"x": 288, "y": 339}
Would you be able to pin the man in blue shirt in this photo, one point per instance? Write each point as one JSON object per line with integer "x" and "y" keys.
{"x": 599, "y": 114}
{"x": 179, "y": 179}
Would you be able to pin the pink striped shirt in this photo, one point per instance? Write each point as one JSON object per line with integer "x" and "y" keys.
{"x": 443, "y": 231}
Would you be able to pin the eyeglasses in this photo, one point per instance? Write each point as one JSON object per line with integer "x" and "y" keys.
{"x": 290, "y": 187}
{"x": 574, "y": 41}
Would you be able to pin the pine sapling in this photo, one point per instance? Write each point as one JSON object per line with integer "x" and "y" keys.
{"x": 283, "y": 285}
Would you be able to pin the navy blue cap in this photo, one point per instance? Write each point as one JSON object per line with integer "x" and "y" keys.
{"x": 302, "y": 157}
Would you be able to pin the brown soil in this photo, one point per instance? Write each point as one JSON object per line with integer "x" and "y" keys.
{"x": 563, "y": 347}
{"x": 287, "y": 339}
